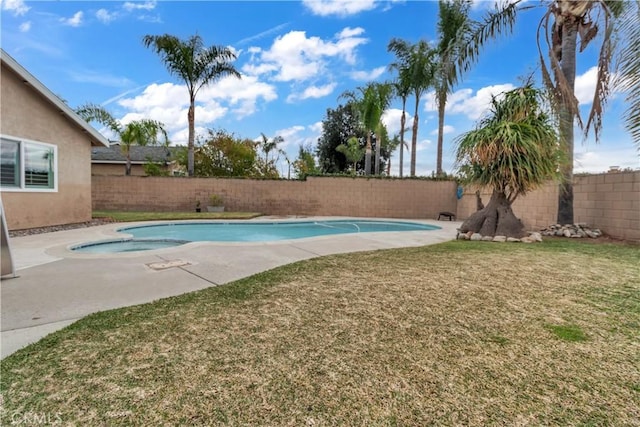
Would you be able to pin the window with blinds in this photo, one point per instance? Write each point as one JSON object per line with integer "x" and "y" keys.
{"x": 27, "y": 165}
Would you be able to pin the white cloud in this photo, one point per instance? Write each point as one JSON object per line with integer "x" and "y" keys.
{"x": 367, "y": 76}
{"x": 169, "y": 103}
{"x": 296, "y": 57}
{"x": 391, "y": 119}
{"x": 339, "y": 7}
{"x": 105, "y": 16}
{"x": 312, "y": 92}
{"x": 74, "y": 21}
{"x": 316, "y": 128}
{"x": 243, "y": 94}
{"x": 350, "y": 32}
{"x": 291, "y": 136}
{"x": 16, "y": 6}
{"x": 600, "y": 159}
{"x": 446, "y": 129}
{"x": 147, "y": 5}
{"x": 464, "y": 101}
{"x": 585, "y": 86}
{"x": 423, "y": 145}
{"x": 25, "y": 27}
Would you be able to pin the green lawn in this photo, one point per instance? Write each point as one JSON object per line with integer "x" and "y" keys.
{"x": 123, "y": 216}
{"x": 462, "y": 333}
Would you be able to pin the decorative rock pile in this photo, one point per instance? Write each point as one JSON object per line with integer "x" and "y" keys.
{"x": 533, "y": 237}
{"x": 571, "y": 230}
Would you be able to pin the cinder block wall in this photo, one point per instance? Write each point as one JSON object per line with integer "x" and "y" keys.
{"x": 360, "y": 197}
{"x": 609, "y": 201}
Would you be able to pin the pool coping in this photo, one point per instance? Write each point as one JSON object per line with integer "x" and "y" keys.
{"x": 54, "y": 287}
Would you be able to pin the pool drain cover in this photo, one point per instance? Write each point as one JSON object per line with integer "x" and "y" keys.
{"x": 167, "y": 264}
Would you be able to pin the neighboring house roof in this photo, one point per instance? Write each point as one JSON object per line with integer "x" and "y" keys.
{"x": 96, "y": 137}
{"x": 139, "y": 154}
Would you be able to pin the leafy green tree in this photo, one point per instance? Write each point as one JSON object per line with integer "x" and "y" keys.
{"x": 152, "y": 168}
{"x": 338, "y": 126}
{"x": 224, "y": 154}
{"x": 564, "y": 22}
{"x": 420, "y": 59}
{"x": 512, "y": 151}
{"x": 138, "y": 132}
{"x": 453, "y": 23}
{"x": 352, "y": 151}
{"x": 195, "y": 65}
{"x": 305, "y": 164}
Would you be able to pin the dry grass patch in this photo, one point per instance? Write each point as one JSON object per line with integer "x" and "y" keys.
{"x": 444, "y": 335}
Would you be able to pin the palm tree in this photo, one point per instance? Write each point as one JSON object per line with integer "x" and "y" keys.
{"x": 370, "y": 102}
{"x": 453, "y": 23}
{"x": 421, "y": 73}
{"x": 402, "y": 89}
{"x": 629, "y": 68}
{"x": 512, "y": 151}
{"x": 267, "y": 146}
{"x": 194, "y": 64}
{"x": 352, "y": 151}
{"x": 564, "y": 22}
{"x": 138, "y": 132}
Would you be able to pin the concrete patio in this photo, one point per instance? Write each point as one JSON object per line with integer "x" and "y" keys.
{"x": 55, "y": 287}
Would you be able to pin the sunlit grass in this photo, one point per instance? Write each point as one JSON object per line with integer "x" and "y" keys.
{"x": 452, "y": 334}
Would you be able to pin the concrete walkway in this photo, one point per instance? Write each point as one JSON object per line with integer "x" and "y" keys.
{"x": 56, "y": 287}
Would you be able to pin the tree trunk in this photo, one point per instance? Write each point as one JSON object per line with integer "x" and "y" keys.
{"x": 568, "y": 64}
{"x": 442, "y": 102}
{"x": 496, "y": 219}
{"x": 414, "y": 138}
{"x": 192, "y": 130}
{"x": 127, "y": 166}
{"x": 377, "y": 162}
{"x": 367, "y": 155}
{"x": 403, "y": 120}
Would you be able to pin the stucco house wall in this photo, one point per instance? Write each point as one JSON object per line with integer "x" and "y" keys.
{"x": 28, "y": 112}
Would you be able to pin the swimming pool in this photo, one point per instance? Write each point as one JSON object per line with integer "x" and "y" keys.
{"x": 157, "y": 236}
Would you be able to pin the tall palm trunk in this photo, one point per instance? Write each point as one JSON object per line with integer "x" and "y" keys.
{"x": 414, "y": 137}
{"x": 192, "y": 131}
{"x": 127, "y": 166}
{"x": 403, "y": 121}
{"x": 377, "y": 161}
{"x": 367, "y": 155}
{"x": 442, "y": 102}
{"x": 568, "y": 66}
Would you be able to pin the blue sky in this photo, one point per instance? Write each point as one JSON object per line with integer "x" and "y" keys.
{"x": 296, "y": 58}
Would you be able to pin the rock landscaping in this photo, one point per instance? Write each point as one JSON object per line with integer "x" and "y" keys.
{"x": 533, "y": 237}
{"x": 571, "y": 231}
{"x": 557, "y": 230}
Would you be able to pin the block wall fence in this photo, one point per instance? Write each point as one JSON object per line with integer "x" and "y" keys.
{"x": 609, "y": 201}
{"x": 321, "y": 196}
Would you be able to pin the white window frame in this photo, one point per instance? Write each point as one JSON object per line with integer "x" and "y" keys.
{"x": 22, "y": 187}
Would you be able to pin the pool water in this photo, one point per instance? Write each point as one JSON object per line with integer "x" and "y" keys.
{"x": 159, "y": 236}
